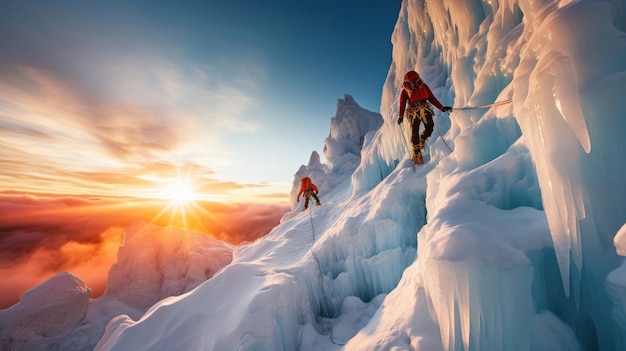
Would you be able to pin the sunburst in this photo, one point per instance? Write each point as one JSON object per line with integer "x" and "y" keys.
{"x": 181, "y": 193}
{"x": 181, "y": 196}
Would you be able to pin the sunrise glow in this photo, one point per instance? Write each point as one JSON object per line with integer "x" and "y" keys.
{"x": 181, "y": 203}
{"x": 181, "y": 192}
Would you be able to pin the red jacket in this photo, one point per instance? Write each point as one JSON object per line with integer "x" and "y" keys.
{"x": 306, "y": 184}
{"x": 421, "y": 92}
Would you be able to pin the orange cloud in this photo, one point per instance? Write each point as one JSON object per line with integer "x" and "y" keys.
{"x": 88, "y": 260}
{"x": 43, "y": 234}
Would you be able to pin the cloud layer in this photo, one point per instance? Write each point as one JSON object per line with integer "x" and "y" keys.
{"x": 41, "y": 235}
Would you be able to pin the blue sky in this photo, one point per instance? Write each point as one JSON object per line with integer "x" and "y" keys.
{"x": 127, "y": 97}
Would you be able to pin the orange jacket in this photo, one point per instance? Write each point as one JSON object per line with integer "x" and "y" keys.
{"x": 306, "y": 184}
{"x": 421, "y": 92}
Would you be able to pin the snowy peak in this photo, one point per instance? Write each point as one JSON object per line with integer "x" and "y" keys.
{"x": 48, "y": 310}
{"x": 162, "y": 262}
{"x": 342, "y": 148}
{"x": 348, "y": 129}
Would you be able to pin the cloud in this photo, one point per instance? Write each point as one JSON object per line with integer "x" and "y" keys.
{"x": 53, "y": 126}
{"x": 102, "y": 104}
{"x": 236, "y": 223}
{"x": 88, "y": 260}
{"x": 44, "y": 234}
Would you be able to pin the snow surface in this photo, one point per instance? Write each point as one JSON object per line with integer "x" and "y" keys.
{"x": 508, "y": 242}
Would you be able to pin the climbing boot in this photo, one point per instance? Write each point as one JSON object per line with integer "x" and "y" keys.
{"x": 422, "y": 143}
{"x": 417, "y": 158}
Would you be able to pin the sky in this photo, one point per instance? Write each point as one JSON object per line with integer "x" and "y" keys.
{"x": 171, "y": 112}
{"x": 124, "y": 98}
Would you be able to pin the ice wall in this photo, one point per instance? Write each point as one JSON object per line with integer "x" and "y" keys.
{"x": 567, "y": 103}
{"x": 565, "y": 80}
{"x": 469, "y": 53}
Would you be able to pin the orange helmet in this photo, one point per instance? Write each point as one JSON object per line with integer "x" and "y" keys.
{"x": 411, "y": 75}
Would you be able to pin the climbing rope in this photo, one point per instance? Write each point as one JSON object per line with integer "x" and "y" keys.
{"x": 497, "y": 103}
{"x": 321, "y": 281}
{"x": 319, "y": 266}
{"x": 441, "y": 137}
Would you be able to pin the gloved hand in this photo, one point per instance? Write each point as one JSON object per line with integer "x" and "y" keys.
{"x": 446, "y": 109}
{"x": 400, "y": 120}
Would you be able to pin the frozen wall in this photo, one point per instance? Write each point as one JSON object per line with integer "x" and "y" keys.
{"x": 566, "y": 80}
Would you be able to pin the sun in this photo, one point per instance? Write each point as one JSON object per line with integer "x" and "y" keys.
{"x": 182, "y": 206}
{"x": 180, "y": 193}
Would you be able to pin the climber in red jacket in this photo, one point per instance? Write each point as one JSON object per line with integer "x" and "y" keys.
{"x": 309, "y": 189}
{"x": 420, "y": 97}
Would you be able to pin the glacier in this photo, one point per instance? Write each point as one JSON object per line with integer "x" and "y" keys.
{"x": 510, "y": 237}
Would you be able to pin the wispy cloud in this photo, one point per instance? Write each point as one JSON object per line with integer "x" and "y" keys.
{"x": 144, "y": 113}
{"x": 91, "y": 98}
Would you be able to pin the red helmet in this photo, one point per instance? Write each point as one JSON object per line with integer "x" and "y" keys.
{"x": 411, "y": 75}
{"x": 306, "y": 181}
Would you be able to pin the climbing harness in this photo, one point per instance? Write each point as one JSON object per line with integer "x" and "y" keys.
{"x": 419, "y": 108}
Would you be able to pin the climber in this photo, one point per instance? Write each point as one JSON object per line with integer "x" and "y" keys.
{"x": 309, "y": 189}
{"x": 420, "y": 97}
